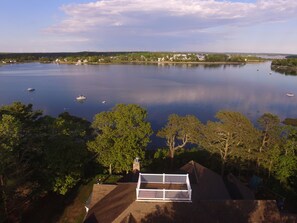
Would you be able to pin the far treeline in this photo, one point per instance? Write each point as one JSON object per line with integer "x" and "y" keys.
{"x": 285, "y": 66}
{"x": 125, "y": 57}
{"x": 41, "y": 154}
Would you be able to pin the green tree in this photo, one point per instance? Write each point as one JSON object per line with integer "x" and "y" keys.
{"x": 20, "y": 146}
{"x": 270, "y": 126}
{"x": 9, "y": 140}
{"x": 232, "y": 135}
{"x": 28, "y": 148}
{"x": 65, "y": 152}
{"x": 270, "y": 141}
{"x": 122, "y": 134}
{"x": 285, "y": 163}
{"x": 179, "y": 131}
{"x": 216, "y": 57}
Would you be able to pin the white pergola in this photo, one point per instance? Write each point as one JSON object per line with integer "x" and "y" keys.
{"x": 160, "y": 187}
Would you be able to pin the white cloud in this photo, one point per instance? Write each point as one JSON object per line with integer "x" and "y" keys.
{"x": 152, "y": 14}
{"x": 111, "y": 21}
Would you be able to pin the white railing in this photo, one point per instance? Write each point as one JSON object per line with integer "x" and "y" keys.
{"x": 163, "y": 178}
{"x": 163, "y": 194}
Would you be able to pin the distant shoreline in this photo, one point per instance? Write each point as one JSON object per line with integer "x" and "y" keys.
{"x": 142, "y": 63}
{"x": 165, "y": 62}
{"x": 133, "y": 58}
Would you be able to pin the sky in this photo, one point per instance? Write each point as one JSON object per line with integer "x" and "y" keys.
{"x": 251, "y": 26}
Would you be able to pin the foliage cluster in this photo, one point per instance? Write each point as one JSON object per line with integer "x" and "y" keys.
{"x": 121, "y": 135}
{"x": 291, "y": 56}
{"x": 285, "y": 66}
{"x": 122, "y": 57}
{"x": 41, "y": 153}
{"x": 270, "y": 149}
{"x": 291, "y": 62}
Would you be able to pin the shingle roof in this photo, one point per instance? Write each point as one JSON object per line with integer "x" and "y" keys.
{"x": 237, "y": 189}
{"x": 99, "y": 191}
{"x": 211, "y": 203}
{"x": 113, "y": 204}
{"x": 208, "y": 185}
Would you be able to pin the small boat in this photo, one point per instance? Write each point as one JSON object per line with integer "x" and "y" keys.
{"x": 290, "y": 94}
{"x": 103, "y": 102}
{"x": 30, "y": 89}
{"x": 81, "y": 98}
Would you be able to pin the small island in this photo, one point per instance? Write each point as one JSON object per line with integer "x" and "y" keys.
{"x": 286, "y": 66}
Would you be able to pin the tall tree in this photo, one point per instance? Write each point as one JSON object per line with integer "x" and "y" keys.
{"x": 9, "y": 140}
{"x": 65, "y": 152}
{"x": 270, "y": 126}
{"x": 179, "y": 131}
{"x": 121, "y": 135}
{"x": 270, "y": 141}
{"x": 30, "y": 134}
{"x": 21, "y": 123}
{"x": 230, "y": 136}
{"x": 285, "y": 164}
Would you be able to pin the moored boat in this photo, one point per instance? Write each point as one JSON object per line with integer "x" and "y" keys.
{"x": 81, "y": 98}
{"x": 290, "y": 94}
{"x": 30, "y": 89}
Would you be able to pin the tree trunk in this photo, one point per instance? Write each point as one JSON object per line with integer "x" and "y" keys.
{"x": 3, "y": 195}
{"x": 258, "y": 165}
{"x": 264, "y": 141}
{"x": 224, "y": 155}
{"x": 171, "y": 153}
{"x": 223, "y": 167}
{"x": 171, "y": 156}
{"x": 110, "y": 170}
{"x": 269, "y": 170}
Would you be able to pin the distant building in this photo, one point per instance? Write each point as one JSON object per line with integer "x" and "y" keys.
{"x": 200, "y": 57}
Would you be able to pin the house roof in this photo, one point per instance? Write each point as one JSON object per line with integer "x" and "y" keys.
{"x": 113, "y": 204}
{"x": 210, "y": 203}
{"x": 208, "y": 184}
{"x": 203, "y": 211}
{"x": 237, "y": 189}
{"x": 99, "y": 191}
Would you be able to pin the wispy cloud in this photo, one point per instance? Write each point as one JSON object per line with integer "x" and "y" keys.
{"x": 111, "y": 20}
{"x": 184, "y": 14}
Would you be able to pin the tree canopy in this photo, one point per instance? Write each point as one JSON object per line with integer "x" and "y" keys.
{"x": 65, "y": 152}
{"x": 122, "y": 134}
{"x": 230, "y": 136}
{"x": 179, "y": 131}
{"x": 39, "y": 153}
{"x": 50, "y": 154}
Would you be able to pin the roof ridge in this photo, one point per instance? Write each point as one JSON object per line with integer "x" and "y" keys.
{"x": 117, "y": 200}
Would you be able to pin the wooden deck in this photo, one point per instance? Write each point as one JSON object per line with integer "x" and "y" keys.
{"x": 163, "y": 186}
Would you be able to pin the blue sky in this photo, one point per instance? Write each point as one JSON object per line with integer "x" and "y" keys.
{"x": 268, "y": 26}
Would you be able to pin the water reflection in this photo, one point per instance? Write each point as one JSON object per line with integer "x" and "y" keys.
{"x": 171, "y": 88}
{"x": 196, "y": 65}
{"x": 285, "y": 70}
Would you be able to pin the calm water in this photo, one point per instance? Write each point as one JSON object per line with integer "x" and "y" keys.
{"x": 162, "y": 90}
